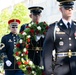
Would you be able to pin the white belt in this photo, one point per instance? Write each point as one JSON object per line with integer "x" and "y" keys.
{"x": 65, "y": 54}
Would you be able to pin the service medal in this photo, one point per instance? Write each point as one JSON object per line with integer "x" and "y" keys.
{"x": 61, "y": 43}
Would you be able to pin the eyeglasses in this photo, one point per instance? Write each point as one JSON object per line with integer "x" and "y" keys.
{"x": 14, "y": 27}
{"x": 67, "y": 8}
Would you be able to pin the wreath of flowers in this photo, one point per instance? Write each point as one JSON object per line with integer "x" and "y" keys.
{"x": 21, "y": 50}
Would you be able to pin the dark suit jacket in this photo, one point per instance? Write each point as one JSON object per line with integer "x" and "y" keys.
{"x": 63, "y": 43}
{"x": 9, "y": 41}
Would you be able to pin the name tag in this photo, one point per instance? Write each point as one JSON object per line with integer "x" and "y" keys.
{"x": 60, "y": 32}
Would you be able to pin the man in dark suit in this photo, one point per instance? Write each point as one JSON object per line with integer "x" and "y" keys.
{"x": 60, "y": 43}
{"x": 9, "y": 40}
{"x": 35, "y": 48}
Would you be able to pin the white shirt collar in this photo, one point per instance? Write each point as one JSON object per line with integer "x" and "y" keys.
{"x": 65, "y": 22}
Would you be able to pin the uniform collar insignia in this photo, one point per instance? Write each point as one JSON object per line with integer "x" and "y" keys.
{"x": 74, "y": 23}
{"x": 9, "y": 40}
{"x": 61, "y": 24}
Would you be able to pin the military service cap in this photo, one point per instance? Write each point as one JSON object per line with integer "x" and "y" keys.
{"x": 65, "y": 0}
{"x": 14, "y": 22}
{"x": 36, "y": 9}
{"x": 66, "y": 3}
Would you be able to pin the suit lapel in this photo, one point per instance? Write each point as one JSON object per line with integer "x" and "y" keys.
{"x": 62, "y": 26}
{"x": 73, "y": 28}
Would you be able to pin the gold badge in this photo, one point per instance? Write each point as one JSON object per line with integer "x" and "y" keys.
{"x": 69, "y": 53}
{"x": 9, "y": 40}
{"x": 57, "y": 29}
{"x": 61, "y": 43}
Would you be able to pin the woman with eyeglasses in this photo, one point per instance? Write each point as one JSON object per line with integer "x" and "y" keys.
{"x": 9, "y": 40}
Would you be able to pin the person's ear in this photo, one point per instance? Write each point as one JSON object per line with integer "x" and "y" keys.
{"x": 30, "y": 15}
{"x": 60, "y": 9}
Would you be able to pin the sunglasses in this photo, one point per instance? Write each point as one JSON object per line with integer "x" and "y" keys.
{"x": 14, "y": 27}
{"x": 67, "y": 8}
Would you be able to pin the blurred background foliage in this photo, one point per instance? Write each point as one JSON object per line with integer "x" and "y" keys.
{"x": 20, "y": 12}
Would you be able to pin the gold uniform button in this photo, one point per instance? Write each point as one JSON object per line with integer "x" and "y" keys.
{"x": 70, "y": 44}
{"x": 69, "y": 38}
{"x": 14, "y": 40}
{"x": 14, "y": 45}
{"x": 13, "y": 37}
{"x": 60, "y": 38}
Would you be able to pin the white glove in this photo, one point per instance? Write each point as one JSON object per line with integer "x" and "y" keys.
{"x": 38, "y": 37}
{"x": 8, "y": 63}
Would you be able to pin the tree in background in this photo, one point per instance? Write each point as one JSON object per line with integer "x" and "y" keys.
{"x": 4, "y": 17}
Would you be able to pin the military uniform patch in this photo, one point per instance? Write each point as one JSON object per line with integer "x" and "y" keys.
{"x": 9, "y": 40}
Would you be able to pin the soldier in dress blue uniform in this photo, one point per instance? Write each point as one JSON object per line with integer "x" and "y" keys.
{"x": 61, "y": 40}
{"x": 9, "y": 40}
{"x": 35, "y": 49}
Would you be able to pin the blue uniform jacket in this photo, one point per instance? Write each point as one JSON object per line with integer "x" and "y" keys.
{"x": 10, "y": 42}
{"x": 63, "y": 43}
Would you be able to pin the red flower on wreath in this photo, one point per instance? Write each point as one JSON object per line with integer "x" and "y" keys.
{"x": 19, "y": 63}
{"x": 29, "y": 69}
{"x": 28, "y": 40}
{"x": 26, "y": 62}
{"x": 17, "y": 53}
{"x": 26, "y": 52}
{"x": 18, "y": 45}
{"x": 32, "y": 31}
{"x": 27, "y": 45}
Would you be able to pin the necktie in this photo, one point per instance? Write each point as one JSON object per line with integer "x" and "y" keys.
{"x": 68, "y": 24}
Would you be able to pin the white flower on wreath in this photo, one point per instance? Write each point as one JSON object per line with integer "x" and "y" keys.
{"x": 32, "y": 23}
{"x": 28, "y": 36}
{"x": 30, "y": 63}
{"x": 21, "y": 54}
{"x": 22, "y": 60}
{"x": 29, "y": 25}
{"x": 41, "y": 67}
{"x": 24, "y": 50}
{"x": 33, "y": 72}
{"x": 24, "y": 33}
{"x": 39, "y": 28}
{"x": 17, "y": 58}
{"x": 20, "y": 41}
